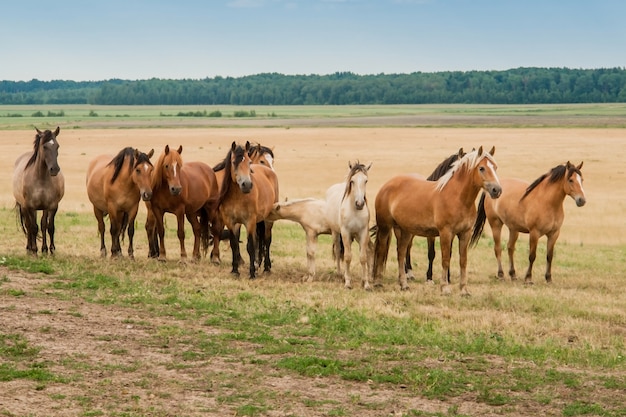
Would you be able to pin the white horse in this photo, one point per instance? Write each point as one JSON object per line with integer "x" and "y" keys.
{"x": 349, "y": 216}
{"x": 310, "y": 213}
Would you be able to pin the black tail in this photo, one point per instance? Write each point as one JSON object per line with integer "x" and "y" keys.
{"x": 20, "y": 217}
{"x": 479, "y": 224}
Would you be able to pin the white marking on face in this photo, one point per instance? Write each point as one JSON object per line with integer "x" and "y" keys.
{"x": 175, "y": 166}
{"x": 270, "y": 160}
{"x": 50, "y": 142}
{"x": 146, "y": 167}
{"x": 580, "y": 182}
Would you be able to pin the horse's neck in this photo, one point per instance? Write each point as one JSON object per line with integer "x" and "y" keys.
{"x": 551, "y": 192}
{"x": 461, "y": 187}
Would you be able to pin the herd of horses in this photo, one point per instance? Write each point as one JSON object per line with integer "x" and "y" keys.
{"x": 242, "y": 190}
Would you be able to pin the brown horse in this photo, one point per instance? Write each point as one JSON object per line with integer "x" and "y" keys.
{"x": 536, "y": 209}
{"x": 444, "y": 208}
{"x": 246, "y": 198}
{"x": 115, "y": 185}
{"x": 186, "y": 190}
{"x": 38, "y": 184}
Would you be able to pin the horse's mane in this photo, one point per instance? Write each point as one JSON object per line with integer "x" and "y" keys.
{"x": 354, "y": 169}
{"x": 443, "y": 167}
{"x": 468, "y": 162}
{"x": 39, "y": 137}
{"x": 554, "y": 175}
{"x": 257, "y": 147}
{"x": 118, "y": 161}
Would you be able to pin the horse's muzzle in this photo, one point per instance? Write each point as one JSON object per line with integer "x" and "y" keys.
{"x": 359, "y": 205}
{"x": 580, "y": 201}
{"x": 54, "y": 171}
{"x": 176, "y": 190}
{"x": 245, "y": 186}
{"x": 146, "y": 195}
{"x": 494, "y": 190}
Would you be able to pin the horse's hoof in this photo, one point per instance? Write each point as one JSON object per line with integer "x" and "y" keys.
{"x": 367, "y": 287}
{"x": 378, "y": 285}
{"x": 445, "y": 290}
{"x": 430, "y": 282}
{"x": 160, "y": 259}
{"x": 529, "y": 283}
{"x": 215, "y": 261}
{"x": 404, "y": 288}
{"x": 348, "y": 287}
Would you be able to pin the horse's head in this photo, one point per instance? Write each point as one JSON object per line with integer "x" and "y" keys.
{"x": 48, "y": 148}
{"x": 485, "y": 172}
{"x": 240, "y": 170}
{"x": 574, "y": 184}
{"x": 171, "y": 165}
{"x": 142, "y": 173}
{"x": 355, "y": 184}
{"x": 262, "y": 155}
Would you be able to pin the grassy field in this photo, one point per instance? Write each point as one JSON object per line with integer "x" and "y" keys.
{"x": 80, "y": 335}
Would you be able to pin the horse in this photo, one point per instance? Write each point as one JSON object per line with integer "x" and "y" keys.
{"x": 246, "y": 198}
{"x": 115, "y": 185}
{"x": 348, "y": 214}
{"x": 259, "y": 154}
{"x": 438, "y": 172}
{"x": 444, "y": 208}
{"x": 186, "y": 190}
{"x": 38, "y": 184}
{"x": 536, "y": 209}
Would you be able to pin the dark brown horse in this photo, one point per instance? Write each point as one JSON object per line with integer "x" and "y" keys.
{"x": 115, "y": 185}
{"x": 445, "y": 208}
{"x": 536, "y": 209}
{"x": 38, "y": 184}
{"x": 186, "y": 190}
{"x": 246, "y": 198}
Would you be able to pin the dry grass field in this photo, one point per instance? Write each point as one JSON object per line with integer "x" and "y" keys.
{"x": 129, "y": 360}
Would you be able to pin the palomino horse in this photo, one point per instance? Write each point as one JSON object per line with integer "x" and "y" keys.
{"x": 349, "y": 216}
{"x": 444, "y": 208}
{"x": 536, "y": 209}
{"x": 246, "y": 197}
{"x": 186, "y": 190}
{"x": 115, "y": 185}
{"x": 38, "y": 184}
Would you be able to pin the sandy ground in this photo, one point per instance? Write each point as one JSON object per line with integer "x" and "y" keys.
{"x": 308, "y": 160}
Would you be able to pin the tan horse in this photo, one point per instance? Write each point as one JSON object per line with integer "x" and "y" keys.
{"x": 38, "y": 184}
{"x": 536, "y": 209}
{"x": 246, "y": 198}
{"x": 186, "y": 190}
{"x": 115, "y": 185}
{"x": 445, "y": 208}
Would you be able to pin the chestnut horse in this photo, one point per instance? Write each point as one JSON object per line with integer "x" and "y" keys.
{"x": 348, "y": 214}
{"x": 115, "y": 185}
{"x": 247, "y": 195}
{"x": 186, "y": 190}
{"x": 536, "y": 209}
{"x": 38, "y": 184}
{"x": 445, "y": 208}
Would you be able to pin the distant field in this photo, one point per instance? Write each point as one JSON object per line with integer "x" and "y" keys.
{"x": 86, "y": 116}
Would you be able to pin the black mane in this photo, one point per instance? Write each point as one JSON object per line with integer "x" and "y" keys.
{"x": 556, "y": 174}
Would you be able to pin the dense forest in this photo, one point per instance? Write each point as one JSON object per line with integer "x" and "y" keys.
{"x": 515, "y": 86}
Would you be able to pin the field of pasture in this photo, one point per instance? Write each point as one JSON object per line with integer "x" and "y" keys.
{"x": 81, "y": 335}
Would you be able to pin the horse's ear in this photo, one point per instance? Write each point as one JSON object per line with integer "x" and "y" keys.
{"x": 350, "y": 164}
{"x": 38, "y": 131}
{"x": 461, "y": 153}
{"x": 136, "y": 153}
{"x": 480, "y": 150}
{"x": 492, "y": 151}
{"x": 180, "y": 149}
{"x": 57, "y": 131}
{"x": 580, "y": 166}
{"x": 247, "y": 145}
{"x": 167, "y": 149}
{"x": 233, "y": 146}
{"x": 369, "y": 166}
{"x": 568, "y": 165}
{"x": 151, "y": 153}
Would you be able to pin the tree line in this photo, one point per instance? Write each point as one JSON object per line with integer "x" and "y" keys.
{"x": 515, "y": 86}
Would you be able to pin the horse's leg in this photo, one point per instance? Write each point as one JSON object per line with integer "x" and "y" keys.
{"x": 115, "y": 218}
{"x": 32, "y": 229}
{"x": 216, "y": 231}
{"x": 533, "y": 239}
{"x": 101, "y": 230}
{"x": 364, "y": 258}
{"x": 347, "y": 257}
{"x": 381, "y": 249}
{"x": 267, "y": 262}
{"x": 513, "y": 235}
{"x": 131, "y": 231}
{"x": 464, "y": 239}
{"x": 234, "y": 247}
{"x": 403, "y": 241}
{"x": 153, "y": 246}
{"x": 550, "y": 247}
{"x": 159, "y": 236}
{"x": 337, "y": 251}
{"x": 496, "y": 231}
{"x": 196, "y": 229}
{"x": 445, "y": 242}
{"x": 430, "y": 241}
{"x": 407, "y": 262}
{"x": 311, "y": 247}
{"x": 51, "y": 215}
{"x": 252, "y": 247}
{"x": 44, "y": 232}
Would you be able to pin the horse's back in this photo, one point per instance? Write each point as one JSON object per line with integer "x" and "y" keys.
{"x": 508, "y": 208}
{"x": 310, "y": 213}
{"x": 95, "y": 178}
{"x": 202, "y": 184}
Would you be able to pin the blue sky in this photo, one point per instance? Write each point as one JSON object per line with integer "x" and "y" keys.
{"x": 139, "y": 39}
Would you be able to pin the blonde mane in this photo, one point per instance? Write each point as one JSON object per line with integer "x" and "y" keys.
{"x": 468, "y": 162}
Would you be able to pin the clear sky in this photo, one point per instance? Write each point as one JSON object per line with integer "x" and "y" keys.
{"x": 139, "y": 39}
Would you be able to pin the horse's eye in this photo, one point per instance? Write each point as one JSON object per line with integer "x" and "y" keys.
{"x": 482, "y": 169}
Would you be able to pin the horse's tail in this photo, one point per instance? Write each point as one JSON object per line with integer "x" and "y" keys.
{"x": 479, "y": 224}
{"x": 19, "y": 217}
{"x": 381, "y": 249}
{"x": 124, "y": 226}
{"x": 205, "y": 235}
